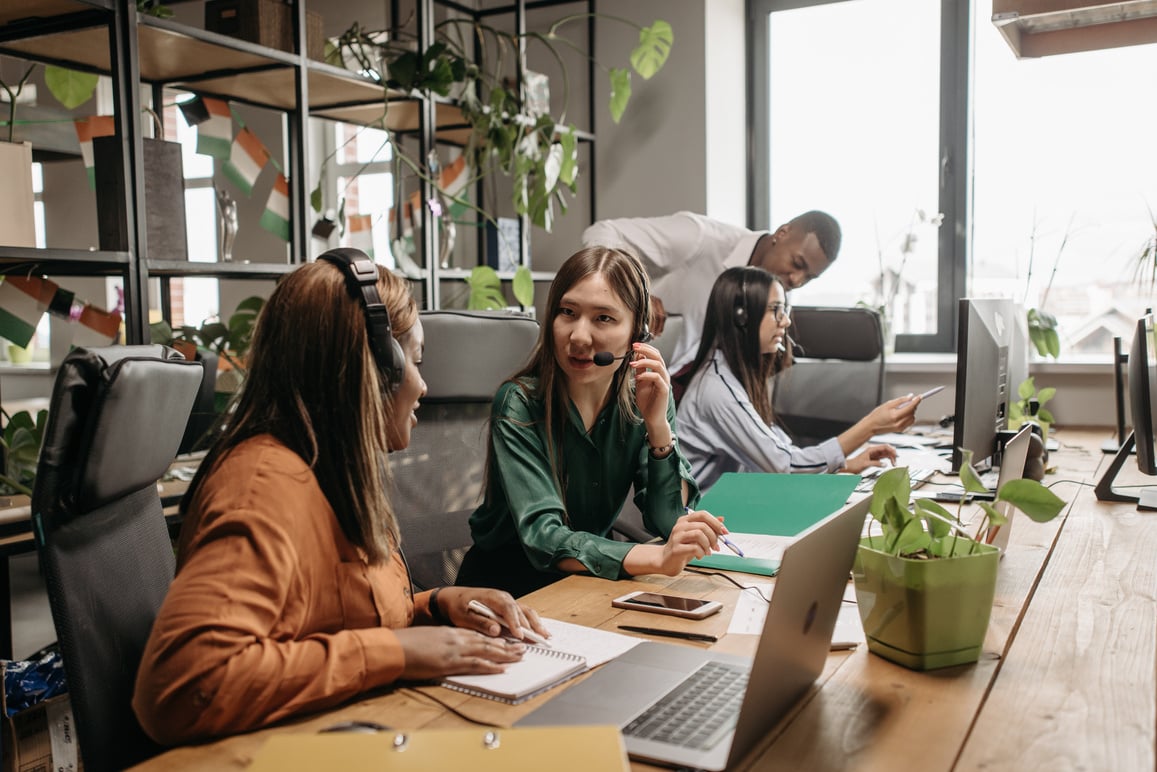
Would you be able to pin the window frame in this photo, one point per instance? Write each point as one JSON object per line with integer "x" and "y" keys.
{"x": 955, "y": 154}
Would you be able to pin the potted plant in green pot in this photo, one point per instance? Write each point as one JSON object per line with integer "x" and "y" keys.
{"x": 924, "y": 585}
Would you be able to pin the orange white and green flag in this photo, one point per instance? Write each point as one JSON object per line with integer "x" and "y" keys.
{"x": 275, "y": 219}
{"x": 96, "y": 327}
{"x": 215, "y": 135}
{"x": 86, "y": 129}
{"x": 23, "y": 301}
{"x": 247, "y": 157}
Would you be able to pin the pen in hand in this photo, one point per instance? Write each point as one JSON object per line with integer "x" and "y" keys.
{"x": 482, "y": 609}
{"x": 726, "y": 542}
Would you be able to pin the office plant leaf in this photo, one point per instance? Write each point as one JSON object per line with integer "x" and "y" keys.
{"x": 523, "y": 286}
{"x": 71, "y": 88}
{"x": 485, "y": 289}
{"x": 653, "y": 49}
{"x": 620, "y": 92}
{"x": 1032, "y": 498}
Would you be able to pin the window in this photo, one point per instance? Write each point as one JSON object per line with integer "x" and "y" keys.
{"x": 1064, "y": 185}
{"x": 850, "y": 115}
{"x": 362, "y": 169}
{"x": 1043, "y": 176}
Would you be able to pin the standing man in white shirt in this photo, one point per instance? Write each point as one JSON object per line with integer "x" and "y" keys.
{"x": 685, "y": 252}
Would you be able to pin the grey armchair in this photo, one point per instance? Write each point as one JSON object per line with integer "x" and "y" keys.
{"x": 438, "y": 479}
{"x": 838, "y": 376}
{"x": 116, "y": 417}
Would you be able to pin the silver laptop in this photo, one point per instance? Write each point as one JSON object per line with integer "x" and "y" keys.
{"x": 1012, "y": 462}
{"x": 641, "y": 691}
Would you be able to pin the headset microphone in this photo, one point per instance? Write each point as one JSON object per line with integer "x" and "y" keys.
{"x": 604, "y": 358}
{"x": 796, "y": 349}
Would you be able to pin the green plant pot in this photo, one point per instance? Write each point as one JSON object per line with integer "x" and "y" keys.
{"x": 925, "y": 614}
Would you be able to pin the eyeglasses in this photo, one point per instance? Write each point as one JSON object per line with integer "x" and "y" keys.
{"x": 782, "y": 311}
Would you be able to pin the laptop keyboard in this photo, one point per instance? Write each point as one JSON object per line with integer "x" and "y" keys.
{"x": 917, "y": 477}
{"x": 697, "y": 712}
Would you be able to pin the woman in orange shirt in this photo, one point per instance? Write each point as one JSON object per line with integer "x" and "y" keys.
{"x": 292, "y": 593}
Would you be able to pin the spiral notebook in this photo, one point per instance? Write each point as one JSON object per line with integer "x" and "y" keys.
{"x": 574, "y": 649}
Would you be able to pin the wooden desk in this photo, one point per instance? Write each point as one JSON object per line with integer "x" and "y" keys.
{"x": 1068, "y": 678}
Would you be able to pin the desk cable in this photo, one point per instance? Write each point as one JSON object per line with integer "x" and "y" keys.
{"x": 754, "y": 589}
{"x": 449, "y": 707}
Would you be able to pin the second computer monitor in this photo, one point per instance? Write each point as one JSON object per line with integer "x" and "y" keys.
{"x": 1143, "y": 392}
{"x": 983, "y": 381}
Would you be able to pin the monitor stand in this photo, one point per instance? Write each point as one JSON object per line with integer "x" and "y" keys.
{"x": 1148, "y": 499}
{"x": 1113, "y": 444}
{"x": 1105, "y": 491}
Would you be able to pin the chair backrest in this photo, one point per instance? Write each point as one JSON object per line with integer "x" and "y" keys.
{"x": 672, "y": 332}
{"x": 204, "y": 414}
{"x": 839, "y": 376}
{"x": 438, "y": 479}
{"x": 114, "y": 422}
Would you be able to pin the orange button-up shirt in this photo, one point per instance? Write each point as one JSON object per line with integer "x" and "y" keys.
{"x": 273, "y": 612}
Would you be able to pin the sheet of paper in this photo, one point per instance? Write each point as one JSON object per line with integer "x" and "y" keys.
{"x": 904, "y": 440}
{"x": 922, "y": 459}
{"x": 751, "y": 613}
{"x": 757, "y": 545}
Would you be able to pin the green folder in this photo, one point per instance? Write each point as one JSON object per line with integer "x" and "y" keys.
{"x": 772, "y": 504}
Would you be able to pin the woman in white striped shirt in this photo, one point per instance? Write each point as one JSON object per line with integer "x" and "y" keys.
{"x": 725, "y": 422}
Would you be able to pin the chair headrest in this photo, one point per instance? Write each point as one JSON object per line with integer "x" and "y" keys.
{"x": 470, "y": 353}
{"x": 851, "y": 333}
{"x": 116, "y": 417}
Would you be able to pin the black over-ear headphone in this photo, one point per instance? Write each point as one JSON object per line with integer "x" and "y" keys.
{"x": 361, "y": 276}
{"x": 739, "y": 315}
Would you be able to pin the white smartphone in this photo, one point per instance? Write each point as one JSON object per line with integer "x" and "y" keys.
{"x": 926, "y": 395}
{"x": 675, "y": 605}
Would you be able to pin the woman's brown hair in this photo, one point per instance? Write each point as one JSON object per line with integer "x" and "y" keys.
{"x": 312, "y": 383}
{"x": 627, "y": 279}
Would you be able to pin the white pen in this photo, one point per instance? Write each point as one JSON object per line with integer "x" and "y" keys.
{"x": 481, "y": 608}
{"x": 924, "y": 396}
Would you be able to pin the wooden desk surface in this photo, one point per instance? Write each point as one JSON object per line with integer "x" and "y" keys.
{"x": 1068, "y": 678}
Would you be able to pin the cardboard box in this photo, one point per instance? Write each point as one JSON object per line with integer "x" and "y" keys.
{"x": 42, "y": 738}
{"x": 266, "y": 22}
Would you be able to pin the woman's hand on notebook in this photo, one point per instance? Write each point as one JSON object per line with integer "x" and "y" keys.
{"x": 433, "y": 652}
{"x": 454, "y": 603}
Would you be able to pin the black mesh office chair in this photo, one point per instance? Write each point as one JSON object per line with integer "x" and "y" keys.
{"x": 116, "y": 417}
{"x": 438, "y": 479}
{"x": 837, "y": 378}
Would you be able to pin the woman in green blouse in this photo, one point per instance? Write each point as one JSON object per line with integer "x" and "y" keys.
{"x": 569, "y": 437}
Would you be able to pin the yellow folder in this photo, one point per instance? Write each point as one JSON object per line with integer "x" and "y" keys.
{"x": 478, "y": 749}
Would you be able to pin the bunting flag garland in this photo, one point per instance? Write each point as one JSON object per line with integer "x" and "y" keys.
{"x": 194, "y": 110}
{"x": 361, "y": 233}
{"x": 96, "y": 327}
{"x": 215, "y": 133}
{"x": 61, "y": 303}
{"x": 23, "y": 301}
{"x": 86, "y": 129}
{"x": 275, "y": 219}
{"x": 247, "y": 157}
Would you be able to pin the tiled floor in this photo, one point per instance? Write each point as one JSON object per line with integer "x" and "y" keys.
{"x": 32, "y": 627}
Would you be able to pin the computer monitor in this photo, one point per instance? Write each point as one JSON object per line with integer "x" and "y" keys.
{"x": 1142, "y": 372}
{"x": 982, "y": 377}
